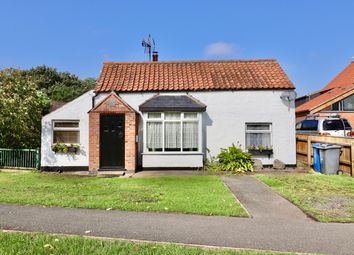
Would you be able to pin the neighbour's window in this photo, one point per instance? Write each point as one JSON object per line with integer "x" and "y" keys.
{"x": 66, "y": 131}
{"x": 346, "y": 104}
{"x": 336, "y": 106}
{"x": 172, "y": 132}
{"x": 258, "y": 134}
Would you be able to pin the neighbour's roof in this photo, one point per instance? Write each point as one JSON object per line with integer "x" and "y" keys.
{"x": 341, "y": 85}
{"x": 172, "y": 103}
{"x": 192, "y": 76}
{"x": 329, "y": 96}
{"x": 344, "y": 78}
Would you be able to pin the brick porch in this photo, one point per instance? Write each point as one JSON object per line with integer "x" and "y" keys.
{"x": 113, "y": 104}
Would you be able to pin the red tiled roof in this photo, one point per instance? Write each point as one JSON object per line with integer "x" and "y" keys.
{"x": 324, "y": 98}
{"x": 192, "y": 75}
{"x": 344, "y": 78}
{"x": 340, "y": 85}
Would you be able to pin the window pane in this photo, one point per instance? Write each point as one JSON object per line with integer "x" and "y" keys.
{"x": 335, "y": 106}
{"x": 258, "y": 126}
{"x": 66, "y": 137}
{"x": 309, "y": 125}
{"x": 190, "y": 115}
{"x": 348, "y": 104}
{"x": 66, "y": 124}
{"x": 154, "y": 136}
{"x": 172, "y": 136}
{"x": 333, "y": 125}
{"x": 154, "y": 115}
{"x": 172, "y": 115}
{"x": 347, "y": 124}
{"x": 190, "y": 136}
{"x": 258, "y": 139}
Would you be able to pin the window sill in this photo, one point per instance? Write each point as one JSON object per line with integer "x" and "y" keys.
{"x": 261, "y": 153}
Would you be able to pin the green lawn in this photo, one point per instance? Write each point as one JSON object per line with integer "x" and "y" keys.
{"x": 205, "y": 195}
{"x": 41, "y": 244}
{"x": 324, "y": 197}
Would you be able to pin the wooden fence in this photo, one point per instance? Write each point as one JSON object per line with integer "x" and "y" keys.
{"x": 19, "y": 158}
{"x": 304, "y": 150}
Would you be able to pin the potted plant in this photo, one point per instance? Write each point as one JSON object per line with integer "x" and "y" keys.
{"x": 73, "y": 148}
{"x": 260, "y": 150}
{"x": 65, "y": 148}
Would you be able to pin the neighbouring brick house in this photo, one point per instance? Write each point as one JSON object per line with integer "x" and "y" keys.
{"x": 172, "y": 115}
{"x": 336, "y": 97}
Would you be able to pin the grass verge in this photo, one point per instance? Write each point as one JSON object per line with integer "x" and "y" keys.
{"x": 206, "y": 195}
{"x": 42, "y": 244}
{"x": 327, "y": 198}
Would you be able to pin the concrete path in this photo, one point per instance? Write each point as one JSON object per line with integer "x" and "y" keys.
{"x": 285, "y": 229}
{"x": 261, "y": 201}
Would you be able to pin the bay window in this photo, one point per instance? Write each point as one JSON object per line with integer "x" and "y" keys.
{"x": 172, "y": 132}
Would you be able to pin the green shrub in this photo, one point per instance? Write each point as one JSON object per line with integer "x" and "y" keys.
{"x": 64, "y": 148}
{"x": 232, "y": 159}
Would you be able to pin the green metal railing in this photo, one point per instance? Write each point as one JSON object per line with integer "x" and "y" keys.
{"x": 20, "y": 158}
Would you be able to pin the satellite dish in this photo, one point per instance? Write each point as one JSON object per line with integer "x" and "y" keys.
{"x": 149, "y": 45}
{"x": 288, "y": 96}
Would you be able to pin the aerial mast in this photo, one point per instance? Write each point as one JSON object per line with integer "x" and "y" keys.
{"x": 149, "y": 46}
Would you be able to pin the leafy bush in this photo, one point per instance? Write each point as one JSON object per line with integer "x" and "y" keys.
{"x": 232, "y": 159}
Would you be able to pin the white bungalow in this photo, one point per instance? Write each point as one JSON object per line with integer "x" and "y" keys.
{"x": 172, "y": 115}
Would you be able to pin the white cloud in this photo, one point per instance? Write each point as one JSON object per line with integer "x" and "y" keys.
{"x": 220, "y": 49}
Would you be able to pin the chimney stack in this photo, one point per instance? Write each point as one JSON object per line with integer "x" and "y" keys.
{"x": 155, "y": 56}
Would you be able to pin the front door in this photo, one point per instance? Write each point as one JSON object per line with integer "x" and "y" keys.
{"x": 112, "y": 141}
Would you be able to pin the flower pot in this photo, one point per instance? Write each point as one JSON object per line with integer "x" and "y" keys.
{"x": 72, "y": 149}
{"x": 260, "y": 152}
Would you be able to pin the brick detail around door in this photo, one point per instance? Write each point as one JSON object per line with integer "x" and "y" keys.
{"x": 113, "y": 104}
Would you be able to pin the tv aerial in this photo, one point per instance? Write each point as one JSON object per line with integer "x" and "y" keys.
{"x": 149, "y": 45}
{"x": 288, "y": 96}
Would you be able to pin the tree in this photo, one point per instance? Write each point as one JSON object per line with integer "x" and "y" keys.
{"x": 21, "y": 108}
{"x": 25, "y": 96}
{"x": 60, "y": 86}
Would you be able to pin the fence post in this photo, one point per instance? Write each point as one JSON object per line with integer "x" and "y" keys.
{"x": 38, "y": 159}
{"x": 309, "y": 150}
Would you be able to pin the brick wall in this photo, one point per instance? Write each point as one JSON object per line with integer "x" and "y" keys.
{"x": 113, "y": 104}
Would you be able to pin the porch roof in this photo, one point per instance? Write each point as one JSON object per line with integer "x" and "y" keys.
{"x": 184, "y": 103}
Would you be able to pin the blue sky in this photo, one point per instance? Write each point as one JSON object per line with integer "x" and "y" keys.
{"x": 312, "y": 39}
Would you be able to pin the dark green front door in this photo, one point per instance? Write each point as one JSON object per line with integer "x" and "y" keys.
{"x": 112, "y": 141}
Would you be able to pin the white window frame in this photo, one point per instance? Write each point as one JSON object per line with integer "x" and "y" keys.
{"x": 270, "y": 131}
{"x": 54, "y": 128}
{"x": 181, "y": 120}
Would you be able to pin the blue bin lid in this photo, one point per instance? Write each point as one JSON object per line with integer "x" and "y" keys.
{"x": 326, "y": 146}
{"x": 316, "y": 145}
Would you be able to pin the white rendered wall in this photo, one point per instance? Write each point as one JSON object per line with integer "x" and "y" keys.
{"x": 226, "y": 115}
{"x": 173, "y": 160}
{"x": 74, "y": 110}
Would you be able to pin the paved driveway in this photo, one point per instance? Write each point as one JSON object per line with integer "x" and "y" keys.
{"x": 275, "y": 224}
